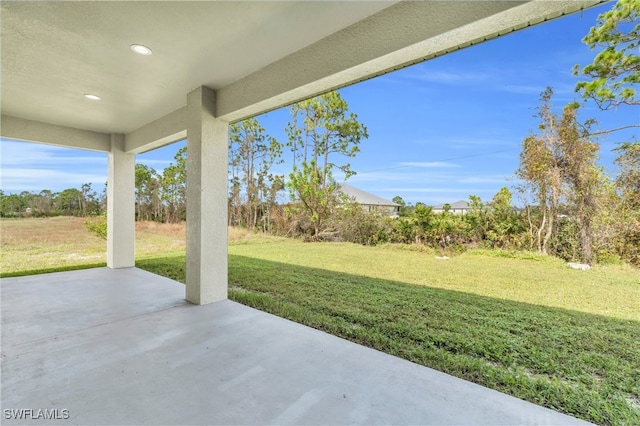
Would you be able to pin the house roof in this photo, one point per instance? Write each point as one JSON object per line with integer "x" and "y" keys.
{"x": 457, "y": 205}
{"x": 363, "y": 197}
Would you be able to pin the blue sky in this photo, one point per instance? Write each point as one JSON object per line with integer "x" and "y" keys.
{"x": 438, "y": 131}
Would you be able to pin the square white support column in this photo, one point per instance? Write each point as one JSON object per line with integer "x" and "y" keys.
{"x": 121, "y": 219}
{"x": 207, "y": 146}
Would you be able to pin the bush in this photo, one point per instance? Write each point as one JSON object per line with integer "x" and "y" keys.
{"x": 403, "y": 232}
{"x": 355, "y": 225}
{"x": 97, "y": 225}
{"x": 565, "y": 242}
{"x": 607, "y": 257}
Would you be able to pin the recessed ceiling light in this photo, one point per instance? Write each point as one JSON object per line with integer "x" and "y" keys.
{"x": 92, "y": 97}
{"x": 140, "y": 49}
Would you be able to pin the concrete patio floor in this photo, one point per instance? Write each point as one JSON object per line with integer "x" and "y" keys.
{"x": 122, "y": 346}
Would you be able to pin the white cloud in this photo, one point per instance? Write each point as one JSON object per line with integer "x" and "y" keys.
{"x": 566, "y": 90}
{"x": 480, "y": 143}
{"x": 428, "y": 164}
{"x": 487, "y": 179}
{"x": 415, "y": 172}
{"x": 34, "y": 167}
{"x": 154, "y": 163}
{"x": 35, "y": 180}
{"x": 523, "y": 89}
{"x": 23, "y": 153}
{"x": 448, "y": 76}
{"x": 428, "y": 190}
{"x": 404, "y": 175}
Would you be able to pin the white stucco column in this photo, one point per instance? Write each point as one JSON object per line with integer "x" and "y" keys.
{"x": 121, "y": 220}
{"x": 207, "y": 142}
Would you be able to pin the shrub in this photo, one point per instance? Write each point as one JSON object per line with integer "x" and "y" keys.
{"x": 403, "y": 232}
{"x": 607, "y": 257}
{"x": 97, "y": 225}
{"x": 355, "y": 225}
{"x": 565, "y": 242}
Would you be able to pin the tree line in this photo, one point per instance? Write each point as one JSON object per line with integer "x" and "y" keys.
{"x": 69, "y": 202}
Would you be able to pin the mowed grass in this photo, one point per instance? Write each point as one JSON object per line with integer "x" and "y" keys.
{"x": 522, "y": 324}
{"x": 610, "y": 290}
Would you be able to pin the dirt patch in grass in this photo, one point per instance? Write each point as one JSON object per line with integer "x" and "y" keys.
{"x": 41, "y": 243}
{"x": 153, "y": 238}
{"x": 34, "y": 244}
{"x": 173, "y": 230}
{"x": 37, "y": 244}
{"x": 44, "y": 231}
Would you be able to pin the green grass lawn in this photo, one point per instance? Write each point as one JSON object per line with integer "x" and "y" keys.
{"x": 530, "y": 327}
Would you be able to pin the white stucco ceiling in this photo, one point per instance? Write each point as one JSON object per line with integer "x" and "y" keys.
{"x": 54, "y": 52}
{"x": 256, "y": 55}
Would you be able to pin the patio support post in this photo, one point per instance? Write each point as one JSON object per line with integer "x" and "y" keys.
{"x": 120, "y": 205}
{"x": 207, "y": 145}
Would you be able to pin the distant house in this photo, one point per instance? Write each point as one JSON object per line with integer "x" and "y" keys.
{"x": 370, "y": 202}
{"x": 459, "y": 207}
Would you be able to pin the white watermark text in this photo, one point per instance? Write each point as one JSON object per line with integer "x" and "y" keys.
{"x": 35, "y": 414}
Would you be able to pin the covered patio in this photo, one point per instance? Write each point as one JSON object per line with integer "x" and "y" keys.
{"x": 122, "y": 346}
{"x": 127, "y": 77}
{"x": 79, "y": 345}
